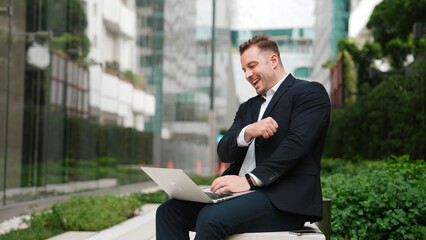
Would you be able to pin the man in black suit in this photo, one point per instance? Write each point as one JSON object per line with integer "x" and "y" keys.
{"x": 274, "y": 146}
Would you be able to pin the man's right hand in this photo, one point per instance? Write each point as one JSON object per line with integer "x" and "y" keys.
{"x": 265, "y": 128}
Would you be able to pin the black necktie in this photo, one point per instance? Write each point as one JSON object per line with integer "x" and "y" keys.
{"x": 256, "y": 107}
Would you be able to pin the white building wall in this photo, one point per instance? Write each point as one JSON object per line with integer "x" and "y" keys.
{"x": 95, "y": 76}
{"x": 125, "y": 98}
{"x": 94, "y": 29}
{"x": 271, "y": 14}
{"x": 359, "y": 16}
{"x": 109, "y": 94}
{"x": 127, "y": 21}
{"x": 322, "y": 43}
{"x": 112, "y": 33}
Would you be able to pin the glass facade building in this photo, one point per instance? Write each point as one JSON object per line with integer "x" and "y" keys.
{"x": 68, "y": 122}
{"x": 150, "y": 38}
{"x": 187, "y": 80}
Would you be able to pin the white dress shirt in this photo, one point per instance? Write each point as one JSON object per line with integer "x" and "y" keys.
{"x": 250, "y": 159}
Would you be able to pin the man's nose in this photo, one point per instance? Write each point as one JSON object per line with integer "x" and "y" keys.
{"x": 248, "y": 74}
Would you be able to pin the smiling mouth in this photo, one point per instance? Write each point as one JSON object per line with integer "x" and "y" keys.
{"x": 255, "y": 82}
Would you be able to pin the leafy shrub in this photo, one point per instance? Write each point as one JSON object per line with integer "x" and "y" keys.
{"x": 156, "y": 197}
{"x": 79, "y": 213}
{"x": 331, "y": 166}
{"x": 201, "y": 180}
{"x": 382, "y": 200}
{"x": 43, "y": 226}
{"x": 107, "y": 167}
{"x": 94, "y": 213}
{"x": 127, "y": 174}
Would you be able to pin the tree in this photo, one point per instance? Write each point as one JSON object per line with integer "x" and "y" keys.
{"x": 389, "y": 116}
{"x": 363, "y": 57}
{"x": 391, "y": 24}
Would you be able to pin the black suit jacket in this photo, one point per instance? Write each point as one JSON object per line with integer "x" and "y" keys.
{"x": 288, "y": 163}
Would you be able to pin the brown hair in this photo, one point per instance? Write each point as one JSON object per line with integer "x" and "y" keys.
{"x": 263, "y": 42}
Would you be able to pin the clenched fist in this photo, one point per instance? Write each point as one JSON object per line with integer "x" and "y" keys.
{"x": 265, "y": 128}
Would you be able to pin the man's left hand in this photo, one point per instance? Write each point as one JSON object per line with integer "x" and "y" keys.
{"x": 230, "y": 183}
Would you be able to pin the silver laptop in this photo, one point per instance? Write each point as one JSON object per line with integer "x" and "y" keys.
{"x": 179, "y": 186}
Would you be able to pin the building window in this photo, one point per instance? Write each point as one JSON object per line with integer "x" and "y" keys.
{"x": 303, "y": 72}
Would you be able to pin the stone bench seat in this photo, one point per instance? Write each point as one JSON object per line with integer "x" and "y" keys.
{"x": 309, "y": 232}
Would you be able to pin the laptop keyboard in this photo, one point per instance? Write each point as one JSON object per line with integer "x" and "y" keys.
{"x": 217, "y": 195}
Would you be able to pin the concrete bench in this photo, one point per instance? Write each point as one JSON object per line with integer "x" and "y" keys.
{"x": 309, "y": 232}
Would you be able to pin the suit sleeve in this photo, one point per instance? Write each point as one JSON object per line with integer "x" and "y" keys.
{"x": 228, "y": 149}
{"x": 309, "y": 120}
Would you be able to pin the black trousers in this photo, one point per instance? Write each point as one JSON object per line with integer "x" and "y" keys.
{"x": 252, "y": 212}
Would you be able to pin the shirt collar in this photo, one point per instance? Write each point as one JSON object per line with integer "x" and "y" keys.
{"x": 272, "y": 91}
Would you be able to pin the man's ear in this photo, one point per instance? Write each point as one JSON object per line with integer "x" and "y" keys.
{"x": 274, "y": 60}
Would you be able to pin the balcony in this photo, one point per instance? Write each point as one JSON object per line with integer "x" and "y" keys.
{"x": 119, "y": 18}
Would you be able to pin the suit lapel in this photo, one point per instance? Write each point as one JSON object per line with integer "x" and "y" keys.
{"x": 258, "y": 100}
{"x": 284, "y": 87}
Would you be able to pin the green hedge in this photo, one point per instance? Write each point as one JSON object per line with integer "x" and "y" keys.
{"x": 377, "y": 200}
{"x": 84, "y": 139}
{"x": 76, "y": 149}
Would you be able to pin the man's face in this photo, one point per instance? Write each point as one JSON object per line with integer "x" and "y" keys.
{"x": 258, "y": 69}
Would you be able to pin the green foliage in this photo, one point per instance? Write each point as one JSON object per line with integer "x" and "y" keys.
{"x": 93, "y": 213}
{"x": 350, "y": 78}
{"x": 398, "y": 51}
{"x": 420, "y": 47}
{"x": 74, "y": 46}
{"x": 66, "y": 19}
{"x": 77, "y": 170}
{"x": 359, "y": 59}
{"x": 127, "y": 174}
{"x": 129, "y": 75}
{"x": 80, "y": 213}
{"x": 126, "y": 144}
{"x": 65, "y": 16}
{"x": 203, "y": 180}
{"x": 390, "y": 119}
{"x": 393, "y": 33}
{"x": 155, "y": 197}
{"x": 107, "y": 167}
{"x": 32, "y": 233}
{"x": 83, "y": 139}
{"x": 377, "y": 200}
{"x": 330, "y": 166}
{"x": 72, "y": 170}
